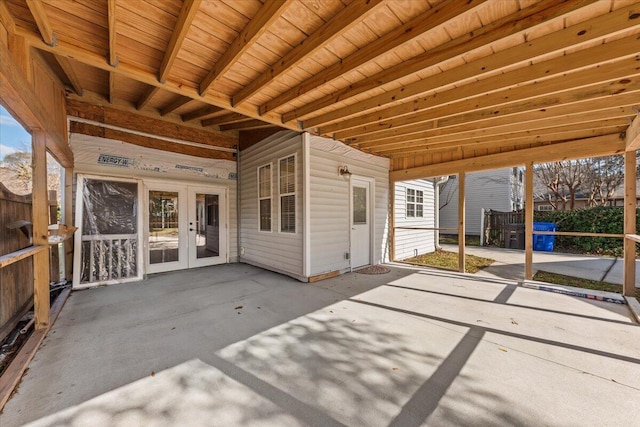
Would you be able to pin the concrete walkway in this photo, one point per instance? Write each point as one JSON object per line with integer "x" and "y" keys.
{"x": 510, "y": 264}
{"x": 234, "y": 345}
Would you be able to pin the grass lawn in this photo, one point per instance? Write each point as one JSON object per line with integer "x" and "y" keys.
{"x": 452, "y": 239}
{"x": 561, "y": 279}
{"x": 449, "y": 261}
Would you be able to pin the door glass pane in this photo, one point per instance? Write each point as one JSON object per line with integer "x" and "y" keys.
{"x": 109, "y": 231}
{"x": 359, "y": 205}
{"x": 207, "y": 225}
{"x": 163, "y": 227}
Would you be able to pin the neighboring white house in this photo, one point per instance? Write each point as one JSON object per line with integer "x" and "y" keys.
{"x": 500, "y": 190}
{"x": 414, "y": 209}
{"x": 311, "y": 206}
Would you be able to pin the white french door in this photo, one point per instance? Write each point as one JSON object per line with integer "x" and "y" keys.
{"x": 186, "y": 227}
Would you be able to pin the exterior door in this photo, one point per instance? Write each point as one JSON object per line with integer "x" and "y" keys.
{"x": 187, "y": 227}
{"x": 207, "y": 227}
{"x": 360, "y": 190}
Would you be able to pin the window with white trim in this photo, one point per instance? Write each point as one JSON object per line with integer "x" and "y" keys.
{"x": 545, "y": 208}
{"x": 287, "y": 175}
{"x": 415, "y": 201}
{"x": 264, "y": 197}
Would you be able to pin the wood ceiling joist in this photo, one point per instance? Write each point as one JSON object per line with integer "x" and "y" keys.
{"x": 68, "y": 70}
{"x": 112, "y": 58}
{"x": 336, "y": 26}
{"x": 180, "y": 101}
{"x": 498, "y": 90}
{"x": 571, "y": 37}
{"x": 6, "y": 18}
{"x": 143, "y": 123}
{"x": 146, "y": 96}
{"x": 149, "y": 78}
{"x": 246, "y": 125}
{"x": 224, "y": 120}
{"x": 525, "y": 137}
{"x": 187, "y": 13}
{"x": 505, "y": 27}
{"x": 398, "y": 36}
{"x": 111, "y": 96}
{"x": 588, "y": 147}
{"x": 527, "y": 111}
{"x": 42, "y": 21}
{"x": 268, "y": 13}
{"x": 508, "y": 125}
{"x": 201, "y": 112}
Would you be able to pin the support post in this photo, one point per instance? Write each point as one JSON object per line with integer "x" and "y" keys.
{"x": 461, "y": 222}
{"x": 629, "y": 282}
{"x": 40, "y": 220}
{"x": 392, "y": 220}
{"x": 528, "y": 222}
{"x": 67, "y": 219}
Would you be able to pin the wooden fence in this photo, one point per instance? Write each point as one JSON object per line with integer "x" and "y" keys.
{"x": 16, "y": 279}
{"x": 495, "y": 223}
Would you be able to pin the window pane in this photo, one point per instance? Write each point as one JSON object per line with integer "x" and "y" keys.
{"x": 411, "y": 209}
{"x": 288, "y": 214}
{"x": 359, "y": 205}
{"x": 265, "y": 181}
{"x": 265, "y": 215}
{"x": 163, "y": 227}
{"x": 287, "y": 175}
{"x": 207, "y": 225}
{"x": 411, "y": 195}
{"x": 419, "y": 211}
{"x": 419, "y": 196}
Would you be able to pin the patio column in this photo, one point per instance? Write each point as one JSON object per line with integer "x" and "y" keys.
{"x": 40, "y": 220}
{"x": 629, "y": 223}
{"x": 461, "y": 220}
{"x": 67, "y": 219}
{"x": 528, "y": 222}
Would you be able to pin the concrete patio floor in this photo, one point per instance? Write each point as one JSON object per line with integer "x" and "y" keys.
{"x": 237, "y": 345}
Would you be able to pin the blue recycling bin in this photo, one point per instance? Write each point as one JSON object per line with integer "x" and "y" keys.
{"x": 542, "y": 242}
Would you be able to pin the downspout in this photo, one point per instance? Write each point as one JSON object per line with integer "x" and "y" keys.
{"x": 436, "y": 216}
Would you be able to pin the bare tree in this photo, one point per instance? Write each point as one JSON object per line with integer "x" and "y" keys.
{"x": 16, "y": 172}
{"x": 603, "y": 175}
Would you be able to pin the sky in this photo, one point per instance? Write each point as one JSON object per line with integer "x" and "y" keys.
{"x": 13, "y": 137}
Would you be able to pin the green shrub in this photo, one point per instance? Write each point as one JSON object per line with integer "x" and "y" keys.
{"x": 589, "y": 220}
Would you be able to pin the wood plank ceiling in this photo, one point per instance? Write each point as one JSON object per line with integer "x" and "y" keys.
{"x": 421, "y": 82}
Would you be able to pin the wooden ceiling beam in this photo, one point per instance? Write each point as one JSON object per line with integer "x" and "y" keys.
{"x": 632, "y": 134}
{"x": 575, "y": 103}
{"x": 582, "y": 148}
{"x": 111, "y": 96}
{"x": 68, "y": 70}
{"x": 507, "y": 125}
{"x": 246, "y": 125}
{"x": 555, "y": 134}
{"x": 505, "y": 27}
{"x": 180, "y": 101}
{"x": 187, "y": 13}
{"x": 6, "y": 18}
{"x": 201, "y": 112}
{"x": 132, "y": 72}
{"x": 541, "y": 79}
{"x": 398, "y": 36}
{"x": 112, "y": 58}
{"x": 269, "y": 12}
{"x": 131, "y": 120}
{"x": 224, "y": 120}
{"x": 42, "y": 21}
{"x": 571, "y": 37}
{"x": 146, "y": 96}
{"x": 340, "y": 23}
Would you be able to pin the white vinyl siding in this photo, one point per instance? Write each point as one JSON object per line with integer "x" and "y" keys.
{"x": 409, "y": 243}
{"x": 287, "y": 191}
{"x": 488, "y": 190}
{"x": 329, "y": 210}
{"x": 280, "y": 252}
{"x": 265, "y": 207}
